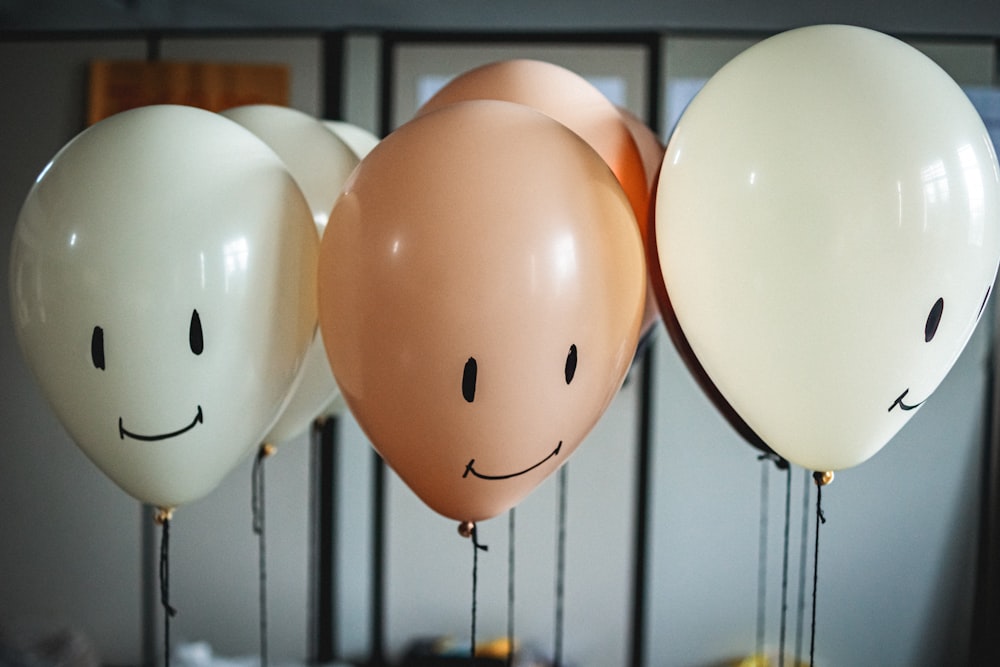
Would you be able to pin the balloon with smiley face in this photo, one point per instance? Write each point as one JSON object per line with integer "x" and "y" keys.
{"x": 827, "y": 229}
{"x": 162, "y": 284}
{"x": 481, "y": 284}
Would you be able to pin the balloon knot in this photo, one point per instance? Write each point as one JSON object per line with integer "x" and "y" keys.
{"x": 163, "y": 514}
{"x": 823, "y": 478}
{"x": 468, "y": 529}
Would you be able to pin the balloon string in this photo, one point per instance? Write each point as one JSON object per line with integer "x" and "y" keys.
{"x": 163, "y": 518}
{"x": 803, "y": 556}
{"x": 784, "y": 567}
{"x": 257, "y": 507}
{"x": 476, "y": 546}
{"x": 560, "y": 569}
{"x": 762, "y": 555}
{"x": 820, "y": 518}
{"x": 510, "y": 587}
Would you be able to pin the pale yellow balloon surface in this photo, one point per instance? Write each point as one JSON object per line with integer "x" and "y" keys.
{"x": 827, "y": 227}
{"x": 320, "y": 163}
{"x": 163, "y": 292}
{"x": 360, "y": 140}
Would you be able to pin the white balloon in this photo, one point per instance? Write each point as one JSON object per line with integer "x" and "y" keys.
{"x": 163, "y": 292}
{"x": 318, "y": 159}
{"x": 827, "y": 227}
{"x": 320, "y": 163}
{"x": 359, "y": 139}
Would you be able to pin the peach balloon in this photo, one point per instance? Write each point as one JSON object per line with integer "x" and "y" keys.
{"x": 568, "y": 98}
{"x": 481, "y": 284}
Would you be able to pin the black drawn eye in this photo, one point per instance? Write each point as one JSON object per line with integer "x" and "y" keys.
{"x": 933, "y": 320}
{"x": 469, "y": 380}
{"x": 97, "y": 347}
{"x": 571, "y": 364}
{"x": 195, "y": 336}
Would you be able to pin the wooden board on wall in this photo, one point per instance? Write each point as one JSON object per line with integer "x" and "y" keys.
{"x": 117, "y": 85}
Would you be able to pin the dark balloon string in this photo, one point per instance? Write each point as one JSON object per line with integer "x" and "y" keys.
{"x": 560, "y": 569}
{"x": 762, "y": 554}
{"x": 476, "y": 547}
{"x": 803, "y": 560}
{"x": 163, "y": 518}
{"x": 784, "y": 567}
{"x": 510, "y": 587}
{"x": 820, "y": 519}
{"x": 257, "y": 507}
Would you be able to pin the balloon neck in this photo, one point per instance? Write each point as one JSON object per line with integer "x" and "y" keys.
{"x": 163, "y": 515}
{"x": 468, "y": 529}
{"x": 823, "y": 478}
{"x": 266, "y": 450}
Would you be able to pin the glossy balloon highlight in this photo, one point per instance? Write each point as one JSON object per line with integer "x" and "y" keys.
{"x": 162, "y": 282}
{"x": 827, "y": 232}
{"x": 481, "y": 284}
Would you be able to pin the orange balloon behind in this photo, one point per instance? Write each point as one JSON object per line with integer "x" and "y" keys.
{"x": 652, "y": 150}
{"x": 568, "y": 98}
{"x": 481, "y": 283}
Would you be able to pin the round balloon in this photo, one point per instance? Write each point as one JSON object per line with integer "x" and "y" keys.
{"x": 360, "y": 140}
{"x": 826, "y": 224}
{"x": 320, "y": 164}
{"x": 568, "y": 98}
{"x": 318, "y": 159}
{"x": 481, "y": 285}
{"x": 162, "y": 282}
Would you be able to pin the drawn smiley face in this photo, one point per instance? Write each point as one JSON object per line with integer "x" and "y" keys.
{"x": 931, "y": 326}
{"x": 196, "y": 342}
{"x": 469, "y": 378}
{"x": 176, "y": 244}
{"x": 827, "y": 271}
{"x": 480, "y": 321}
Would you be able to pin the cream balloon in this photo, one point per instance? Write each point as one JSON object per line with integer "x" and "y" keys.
{"x": 320, "y": 163}
{"x": 360, "y": 140}
{"x": 827, "y": 228}
{"x": 162, "y": 282}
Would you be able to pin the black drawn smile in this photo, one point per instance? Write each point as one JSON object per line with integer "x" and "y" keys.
{"x": 902, "y": 405}
{"x": 469, "y": 468}
{"x": 122, "y": 431}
